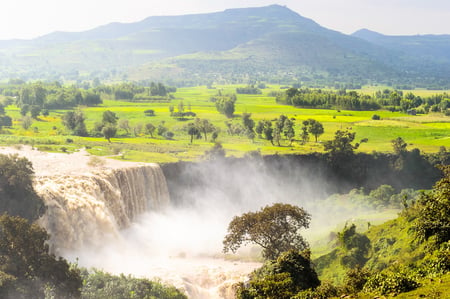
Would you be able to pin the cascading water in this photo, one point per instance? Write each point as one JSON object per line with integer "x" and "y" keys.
{"x": 121, "y": 220}
{"x": 84, "y": 209}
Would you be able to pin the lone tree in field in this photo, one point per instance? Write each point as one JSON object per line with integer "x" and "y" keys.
{"x": 275, "y": 228}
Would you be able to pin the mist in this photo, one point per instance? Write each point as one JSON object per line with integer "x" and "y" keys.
{"x": 181, "y": 243}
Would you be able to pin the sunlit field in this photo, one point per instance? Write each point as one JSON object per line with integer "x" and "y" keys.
{"x": 426, "y": 132}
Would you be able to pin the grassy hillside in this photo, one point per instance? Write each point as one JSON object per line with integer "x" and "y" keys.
{"x": 409, "y": 253}
{"x": 269, "y": 43}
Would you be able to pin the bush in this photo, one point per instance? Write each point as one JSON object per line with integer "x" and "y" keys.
{"x": 391, "y": 282}
{"x": 376, "y": 117}
{"x": 99, "y": 284}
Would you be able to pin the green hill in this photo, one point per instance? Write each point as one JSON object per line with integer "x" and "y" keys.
{"x": 270, "y": 43}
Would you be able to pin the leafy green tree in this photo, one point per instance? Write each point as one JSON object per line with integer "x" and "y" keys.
{"x": 124, "y": 124}
{"x": 247, "y": 121}
{"x": 5, "y": 121}
{"x": 109, "y": 131}
{"x": 24, "y": 109}
{"x": 137, "y": 129}
{"x": 288, "y": 130}
{"x": 162, "y": 128}
{"x": 284, "y": 277}
{"x": 193, "y": 131}
{"x": 264, "y": 128}
{"x": 399, "y": 146}
{"x": 275, "y": 228}
{"x": 17, "y": 195}
{"x": 315, "y": 128}
{"x": 110, "y": 117}
{"x": 276, "y": 135}
{"x": 356, "y": 247}
{"x": 434, "y": 211}
{"x": 305, "y": 134}
{"x": 27, "y": 122}
{"x": 35, "y": 111}
{"x": 74, "y": 121}
{"x": 341, "y": 145}
{"x": 225, "y": 105}
{"x": 150, "y": 129}
{"x": 204, "y": 126}
{"x": 25, "y": 258}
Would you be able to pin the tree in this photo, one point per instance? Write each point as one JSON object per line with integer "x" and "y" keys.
{"x": 289, "y": 131}
{"x": 264, "y": 127}
{"x": 25, "y": 257}
{"x": 27, "y": 122}
{"x": 74, "y": 121}
{"x": 275, "y": 228}
{"x": 150, "y": 129}
{"x": 315, "y": 128}
{"x": 109, "y": 131}
{"x": 225, "y": 105}
{"x": 17, "y": 195}
{"x": 124, "y": 125}
{"x": 305, "y": 134}
{"x": 137, "y": 129}
{"x": 34, "y": 111}
{"x": 341, "y": 145}
{"x": 204, "y": 126}
{"x": 193, "y": 131}
{"x": 282, "y": 278}
{"x": 162, "y": 128}
{"x": 109, "y": 117}
{"x": 399, "y": 146}
{"x": 434, "y": 211}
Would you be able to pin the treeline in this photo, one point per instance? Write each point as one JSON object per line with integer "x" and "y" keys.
{"x": 138, "y": 92}
{"x": 393, "y": 100}
{"x": 52, "y": 95}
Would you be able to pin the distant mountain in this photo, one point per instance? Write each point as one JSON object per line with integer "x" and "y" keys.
{"x": 271, "y": 43}
{"x": 428, "y": 47}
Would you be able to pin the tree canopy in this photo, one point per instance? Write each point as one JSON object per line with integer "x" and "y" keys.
{"x": 17, "y": 195}
{"x": 275, "y": 228}
{"x": 27, "y": 269}
{"x": 434, "y": 211}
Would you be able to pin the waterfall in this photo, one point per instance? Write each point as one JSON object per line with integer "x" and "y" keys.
{"x": 85, "y": 209}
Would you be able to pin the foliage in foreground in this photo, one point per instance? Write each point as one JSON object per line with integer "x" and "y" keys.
{"x": 284, "y": 277}
{"x": 17, "y": 196}
{"x": 101, "y": 285}
{"x": 27, "y": 269}
{"x": 390, "y": 259}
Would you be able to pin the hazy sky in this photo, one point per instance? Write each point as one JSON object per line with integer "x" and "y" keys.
{"x": 32, "y": 18}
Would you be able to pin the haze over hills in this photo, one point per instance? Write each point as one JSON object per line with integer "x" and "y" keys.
{"x": 271, "y": 44}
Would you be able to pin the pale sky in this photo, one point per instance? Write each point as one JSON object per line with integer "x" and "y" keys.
{"x": 32, "y": 18}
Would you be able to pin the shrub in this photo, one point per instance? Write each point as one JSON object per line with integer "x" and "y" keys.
{"x": 376, "y": 117}
{"x": 391, "y": 282}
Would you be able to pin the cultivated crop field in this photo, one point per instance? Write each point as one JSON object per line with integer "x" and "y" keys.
{"x": 426, "y": 132}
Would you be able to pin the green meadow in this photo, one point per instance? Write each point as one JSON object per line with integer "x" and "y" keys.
{"x": 426, "y": 132}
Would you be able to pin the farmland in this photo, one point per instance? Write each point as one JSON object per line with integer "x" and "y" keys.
{"x": 427, "y": 132}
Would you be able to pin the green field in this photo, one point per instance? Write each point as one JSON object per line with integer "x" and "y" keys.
{"x": 426, "y": 132}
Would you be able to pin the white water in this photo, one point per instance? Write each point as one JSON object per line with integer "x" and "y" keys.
{"x": 121, "y": 221}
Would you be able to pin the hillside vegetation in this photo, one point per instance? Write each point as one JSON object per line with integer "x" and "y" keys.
{"x": 272, "y": 44}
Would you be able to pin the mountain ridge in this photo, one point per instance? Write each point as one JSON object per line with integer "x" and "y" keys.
{"x": 273, "y": 42}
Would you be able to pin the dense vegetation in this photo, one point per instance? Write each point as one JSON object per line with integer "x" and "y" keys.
{"x": 388, "y": 259}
